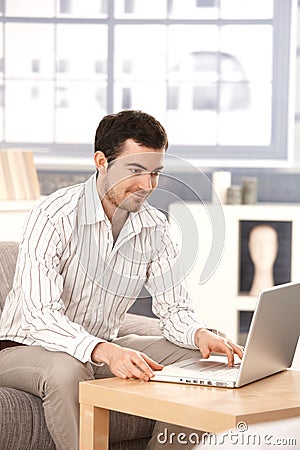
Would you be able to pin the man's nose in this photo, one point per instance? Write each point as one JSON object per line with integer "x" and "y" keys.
{"x": 145, "y": 181}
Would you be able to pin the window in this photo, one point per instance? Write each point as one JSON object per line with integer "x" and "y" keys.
{"x": 216, "y": 73}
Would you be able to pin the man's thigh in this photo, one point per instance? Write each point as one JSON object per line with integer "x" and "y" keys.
{"x": 156, "y": 347}
{"x": 30, "y": 368}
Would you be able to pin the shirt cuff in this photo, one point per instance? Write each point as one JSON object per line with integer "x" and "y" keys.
{"x": 83, "y": 349}
{"x": 98, "y": 364}
{"x": 191, "y": 334}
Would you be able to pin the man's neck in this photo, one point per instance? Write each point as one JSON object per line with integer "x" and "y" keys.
{"x": 115, "y": 215}
{"x": 117, "y": 224}
{"x": 117, "y": 218}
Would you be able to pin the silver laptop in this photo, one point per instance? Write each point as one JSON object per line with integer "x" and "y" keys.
{"x": 269, "y": 349}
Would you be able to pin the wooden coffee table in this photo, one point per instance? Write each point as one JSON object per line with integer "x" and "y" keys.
{"x": 198, "y": 407}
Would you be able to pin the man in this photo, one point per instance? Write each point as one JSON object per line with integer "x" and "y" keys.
{"x": 85, "y": 254}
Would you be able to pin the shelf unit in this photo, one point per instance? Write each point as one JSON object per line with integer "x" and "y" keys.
{"x": 218, "y": 299}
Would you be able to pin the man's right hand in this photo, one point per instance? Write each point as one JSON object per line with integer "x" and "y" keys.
{"x": 125, "y": 362}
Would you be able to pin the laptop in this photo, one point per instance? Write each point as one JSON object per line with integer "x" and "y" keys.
{"x": 270, "y": 346}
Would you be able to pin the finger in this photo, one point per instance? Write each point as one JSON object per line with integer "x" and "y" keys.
{"x": 145, "y": 372}
{"x": 137, "y": 372}
{"x": 238, "y": 349}
{"x": 120, "y": 374}
{"x": 205, "y": 352}
{"x": 130, "y": 370}
{"x": 140, "y": 363}
{"x": 153, "y": 364}
{"x": 229, "y": 352}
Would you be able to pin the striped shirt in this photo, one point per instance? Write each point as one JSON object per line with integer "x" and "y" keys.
{"x": 73, "y": 284}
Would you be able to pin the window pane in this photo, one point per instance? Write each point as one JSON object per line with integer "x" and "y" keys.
{"x": 191, "y": 52}
{"x": 81, "y": 51}
{"x": 192, "y": 127}
{"x": 79, "y": 107}
{"x": 36, "y": 63}
{"x": 234, "y": 96}
{"x": 193, "y": 96}
{"x": 204, "y": 78}
{"x": 141, "y": 9}
{"x": 246, "y": 9}
{"x": 30, "y": 8}
{"x": 250, "y": 126}
{"x": 135, "y": 56}
{"x": 82, "y": 8}
{"x": 186, "y": 97}
{"x": 148, "y": 96}
{"x": 250, "y": 50}
{"x": 29, "y": 110}
{"x": 194, "y": 9}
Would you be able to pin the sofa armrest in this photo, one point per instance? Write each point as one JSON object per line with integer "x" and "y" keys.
{"x": 141, "y": 325}
{"x": 8, "y": 258}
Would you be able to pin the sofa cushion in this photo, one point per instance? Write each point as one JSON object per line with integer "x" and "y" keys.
{"x": 141, "y": 325}
{"x": 8, "y": 258}
{"x": 22, "y": 424}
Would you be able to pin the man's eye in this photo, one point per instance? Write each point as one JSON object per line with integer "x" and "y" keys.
{"x": 135, "y": 171}
{"x": 140, "y": 172}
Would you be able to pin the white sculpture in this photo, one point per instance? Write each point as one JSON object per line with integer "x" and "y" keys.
{"x": 263, "y": 248}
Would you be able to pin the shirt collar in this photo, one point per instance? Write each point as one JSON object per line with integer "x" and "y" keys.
{"x": 91, "y": 209}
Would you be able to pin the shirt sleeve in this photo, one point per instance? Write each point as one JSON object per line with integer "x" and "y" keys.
{"x": 40, "y": 284}
{"x": 170, "y": 299}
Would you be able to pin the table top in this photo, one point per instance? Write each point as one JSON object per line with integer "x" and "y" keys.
{"x": 199, "y": 407}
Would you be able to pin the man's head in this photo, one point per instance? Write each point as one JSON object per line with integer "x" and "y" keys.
{"x": 115, "y": 129}
{"x": 129, "y": 154}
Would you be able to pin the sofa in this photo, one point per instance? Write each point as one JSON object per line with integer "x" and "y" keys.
{"x": 22, "y": 422}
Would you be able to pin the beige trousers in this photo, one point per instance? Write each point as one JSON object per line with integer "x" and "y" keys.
{"x": 54, "y": 377}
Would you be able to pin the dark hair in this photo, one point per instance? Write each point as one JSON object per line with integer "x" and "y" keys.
{"x": 115, "y": 129}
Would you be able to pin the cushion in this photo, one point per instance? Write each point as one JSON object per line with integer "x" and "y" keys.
{"x": 141, "y": 325}
{"x": 22, "y": 424}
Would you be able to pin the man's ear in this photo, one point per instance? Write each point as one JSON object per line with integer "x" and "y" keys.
{"x": 100, "y": 161}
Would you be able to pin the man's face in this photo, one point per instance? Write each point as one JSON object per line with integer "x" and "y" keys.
{"x": 132, "y": 177}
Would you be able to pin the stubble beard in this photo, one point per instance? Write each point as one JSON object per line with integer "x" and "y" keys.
{"x": 126, "y": 202}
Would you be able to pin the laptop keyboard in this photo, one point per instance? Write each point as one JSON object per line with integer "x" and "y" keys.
{"x": 210, "y": 370}
{"x": 226, "y": 374}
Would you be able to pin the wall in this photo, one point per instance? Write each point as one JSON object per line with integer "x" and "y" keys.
{"x": 274, "y": 185}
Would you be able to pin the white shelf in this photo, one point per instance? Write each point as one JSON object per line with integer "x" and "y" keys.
{"x": 12, "y": 218}
{"x": 17, "y": 205}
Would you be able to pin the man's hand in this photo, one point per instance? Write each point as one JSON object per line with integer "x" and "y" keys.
{"x": 208, "y": 342}
{"x": 124, "y": 362}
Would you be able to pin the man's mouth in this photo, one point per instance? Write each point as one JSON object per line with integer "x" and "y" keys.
{"x": 140, "y": 195}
